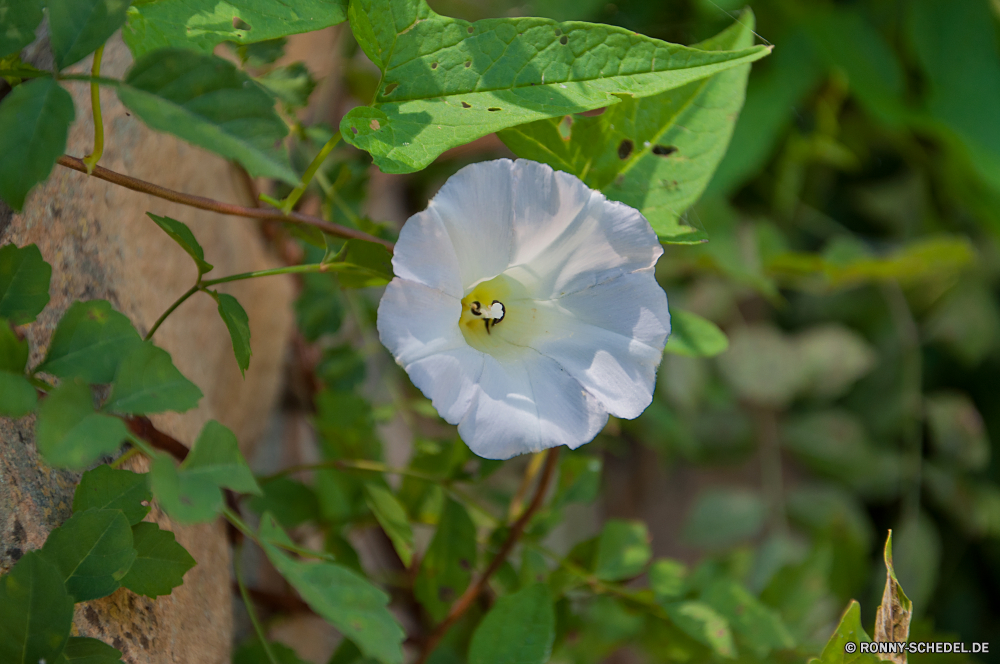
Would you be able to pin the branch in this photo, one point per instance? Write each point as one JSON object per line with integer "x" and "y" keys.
{"x": 213, "y": 205}
{"x": 463, "y": 603}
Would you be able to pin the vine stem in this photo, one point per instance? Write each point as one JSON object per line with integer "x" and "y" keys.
{"x": 296, "y": 194}
{"x": 178, "y": 302}
{"x": 463, "y": 603}
{"x": 95, "y": 102}
{"x": 212, "y": 205}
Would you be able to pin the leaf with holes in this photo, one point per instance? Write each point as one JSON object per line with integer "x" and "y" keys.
{"x": 392, "y": 517}
{"x": 78, "y": 27}
{"x": 93, "y": 551}
{"x": 24, "y": 282}
{"x": 446, "y": 82}
{"x": 182, "y": 235}
{"x": 203, "y": 24}
{"x": 446, "y": 568}
{"x": 109, "y": 488}
{"x": 36, "y": 612}
{"x": 658, "y": 153}
{"x": 20, "y": 18}
{"x": 148, "y": 382}
{"x": 207, "y": 101}
{"x": 160, "y": 563}
{"x": 89, "y": 342}
{"x": 85, "y": 650}
{"x": 238, "y": 323}
{"x": 69, "y": 434}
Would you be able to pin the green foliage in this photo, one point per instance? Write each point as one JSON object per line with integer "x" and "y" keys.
{"x": 20, "y": 18}
{"x": 34, "y": 123}
{"x": 848, "y": 631}
{"x": 694, "y": 336}
{"x": 93, "y": 551}
{"x": 291, "y": 503}
{"x": 106, "y": 488}
{"x": 221, "y": 109}
{"x": 446, "y": 568}
{"x": 392, "y": 517}
{"x": 758, "y": 625}
{"x": 252, "y": 652}
{"x": 17, "y": 395}
{"x": 24, "y": 283}
{"x": 292, "y": 85}
{"x": 166, "y": 23}
{"x": 70, "y": 434}
{"x": 85, "y": 650}
{"x": 238, "y": 323}
{"x": 721, "y": 517}
{"x": 482, "y": 77}
{"x": 160, "y": 562}
{"x": 78, "y": 27}
{"x": 182, "y": 235}
{"x": 704, "y": 624}
{"x": 148, "y": 382}
{"x": 89, "y": 343}
{"x": 622, "y": 550}
{"x": 519, "y": 628}
{"x": 364, "y": 264}
{"x": 36, "y": 612}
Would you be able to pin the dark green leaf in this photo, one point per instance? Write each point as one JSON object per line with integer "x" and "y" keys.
{"x": 93, "y": 551}
{"x": 89, "y": 342}
{"x": 17, "y": 396}
{"x": 148, "y": 382}
{"x": 519, "y": 629}
{"x": 182, "y": 235}
{"x": 446, "y": 568}
{"x": 209, "y": 102}
{"x": 622, "y": 550}
{"x": 105, "y": 487}
{"x": 292, "y": 84}
{"x": 70, "y": 434}
{"x": 24, "y": 275}
{"x": 703, "y": 624}
{"x": 252, "y": 652}
{"x": 291, "y": 503}
{"x": 36, "y": 612}
{"x": 365, "y": 264}
{"x": 153, "y": 25}
{"x": 238, "y": 324}
{"x": 723, "y": 516}
{"x": 694, "y": 336}
{"x": 160, "y": 564}
{"x": 13, "y": 351}
{"x": 347, "y": 600}
{"x": 760, "y": 627}
{"x": 392, "y": 517}
{"x": 20, "y": 18}
{"x": 34, "y": 123}
{"x": 78, "y": 27}
{"x": 848, "y": 631}
{"x": 84, "y": 650}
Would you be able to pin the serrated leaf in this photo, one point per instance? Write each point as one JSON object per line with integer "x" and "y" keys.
{"x": 89, "y": 342}
{"x": 69, "y": 434}
{"x": 160, "y": 564}
{"x": 36, "y": 612}
{"x": 24, "y": 277}
{"x": 182, "y": 235}
{"x": 207, "y": 101}
{"x": 760, "y": 626}
{"x": 446, "y": 82}
{"x": 85, "y": 650}
{"x": 148, "y": 382}
{"x": 519, "y": 629}
{"x": 704, "y": 624}
{"x": 848, "y": 631}
{"x": 622, "y": 550}
{"x": 78, "y": 27}
{"x": 345, "y": 599}
{"x": 392, "y": 517}
{"x": 165, "y": 23}
{"x": 34, "y": 124}
{"x": 446, "y": 569}
{"x": 20, "y": 18}
{"x": 17, "y": 396}
{"x": 694, "y": 336}
{"x": 238, "y": 324}
{"x": 364, "y": 264}
{"x": 93, "y": 551}
{"x": 109, "y": 488}
{"x": 656, "y": 154}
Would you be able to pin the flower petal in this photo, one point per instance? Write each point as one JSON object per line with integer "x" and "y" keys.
{"x": 415, "y": 321}
{"x": 527, "y": 405}
{"x": 610, "y": 338}
{"x": 424, "y": 254}
{"x": 449, "y": 379}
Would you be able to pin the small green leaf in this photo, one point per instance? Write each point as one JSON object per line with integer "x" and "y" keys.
{"x": 93, "y": 551}
{"x": 446, "y": 569}
{"x": 20, "y": 18}
{"x": 24, "y": 275}
{"x": 13, "y": 351}
{"x": 760, "y": 626}
{"x": 367, "y": 264}
{"x": 848, "y": 631}
{"x": 36, "y": 612}
{"x": 292, "y": 84}
{"x": 105, "y": 487}
{"x": 70, "y": 434}
{"x": 694, "y": 336}
{"x": 345, "y": 599}
{"x": 85, "y": 650}
{"x": 34, "y": 124}
{"x": 579, "y": 479}
{"x": 153, "y": 25}
{"x": 216, "y": 457}
{"x": 392, "y": 517}
{"x": 184, "y": 498}
{"x": 622, "y": 550}
{"x": 160, "y": 564}
{"x": 667, "y": 579}
{"x": 89, "y": 342}
{"x": 519, "y": 629}
{"x": 238, "y": 324}
{"x": 148, "y": 382}
{"x": 78, "y": 27}
{"x": 17, "y": 396}
{"x": 182, "y": 235}
{"x": 701, "y": 622}
{"x": 209, "y": 102}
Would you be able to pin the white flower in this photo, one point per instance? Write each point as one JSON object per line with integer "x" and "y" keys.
{"x": 525, "y": 307}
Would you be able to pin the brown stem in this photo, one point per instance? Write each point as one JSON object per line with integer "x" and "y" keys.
{"x": 202, "y": 203}
{"x": 463, "y": 603}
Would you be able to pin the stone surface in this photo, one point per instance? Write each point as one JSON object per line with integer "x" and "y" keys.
{"x": 101, "y": 245}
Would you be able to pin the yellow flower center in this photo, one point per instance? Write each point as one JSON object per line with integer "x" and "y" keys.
{"x": 496, "y": 316}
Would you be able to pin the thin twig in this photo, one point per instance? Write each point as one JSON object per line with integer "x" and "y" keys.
{"x": 463, "y": 603}
{"x": 213, "y": 205}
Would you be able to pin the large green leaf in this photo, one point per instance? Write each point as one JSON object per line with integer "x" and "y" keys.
{"x": 182, "y": 235}
{"x": 209, "y": 102}
{"x": 344, "y": 598}
{"x": 36, "y": 612}
{"x": 93, "y": 551}
{"x": 238, "y": 323}
{"x": 34, "y": 124}
{"x": 24, "y": 281}
{"x": 446, "y": 82}
{"x": 519, "y": 629}
{"x": 85, "y": 650}
{"x": 20, "y": 18}
{"x": 446, "y": 568}
{"x": 656, "y": 154}
{"x": 392, "y": 517}
{"x": 78, "y": 27}
{"x": 89, "y": 342}
{"x": 148, "y": 382}
{"x": 160, "y": 563}
{"x": 105, "y": 487}
{"x": 70, "y": 434}
{"x": 202, "y": 24}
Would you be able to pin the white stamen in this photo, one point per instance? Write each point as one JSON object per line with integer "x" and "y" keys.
{"x": 495, "y": 311}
